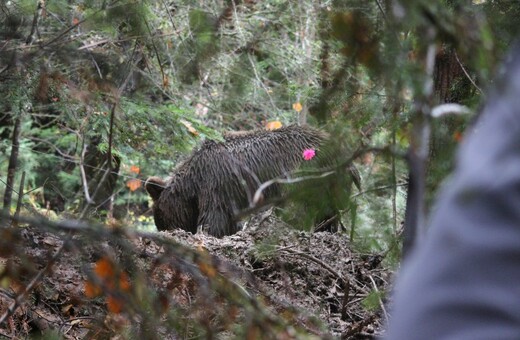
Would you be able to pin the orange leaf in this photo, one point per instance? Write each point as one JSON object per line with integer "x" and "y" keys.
{"x": 92, "y": 290}
{"x": 297, "y": 107}
{"x": 114, "y": 304}
{"x": 135, "y": 169}
{"x": 207, "y": 269}
{"x": 133, "y": 184}
{"x": 124, "y": 282}
{"x": 104, "y": 268}
{"x": 204, "y": 263}
{"x": 190, "y": 127}
{"x": 273, "y": 125}
{"x": 457, "y": 136}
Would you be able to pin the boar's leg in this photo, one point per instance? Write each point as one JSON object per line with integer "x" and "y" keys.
{"x": 217, "y": 222}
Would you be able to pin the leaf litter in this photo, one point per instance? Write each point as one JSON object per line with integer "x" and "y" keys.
{"x": 315, "y": 283}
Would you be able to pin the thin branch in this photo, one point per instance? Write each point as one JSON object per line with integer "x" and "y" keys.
{"x": 157, "y": 56}
{"x": 67, "y": 156}
{"x": 100, "y": 184}
{"x": 36, "y": 20}
{"x": 63, "y": 33}
{"x": 133, "y": 37}
{"x": 381, "y": 304}
{"x": 75, "y": 161}
{"x": 323, "y": 172}
{"x": 4, "y": 69}
{"x": 467, "y": 74}
{"x": 258, "y": 194}
{"x": 383, "y": 187}
{"x": 382, "y": 10}
{"x": 389, "y": 22}
{"x": 331, "y": 270}
{"x": 7, "y": 336}
{"x": 36, "y": 279}
{"x": 95, "y": 64}
{"x": 261, "y": 83}
{"x": 326, "y": 223}
{"x": 84, "y": 175}
{"x": 317, "y": 261}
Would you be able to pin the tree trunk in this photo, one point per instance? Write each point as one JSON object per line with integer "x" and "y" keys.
{"x": 451, "y": 85}
{"x": 101, "y": 178}
{"x": 13, "y": 163}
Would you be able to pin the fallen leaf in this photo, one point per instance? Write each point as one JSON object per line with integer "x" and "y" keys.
{"x": 124, "y": 282}
{"x": 92, "y": 290}
{"x": 457, "y": 136}
{"x": 135, "y": 169}
{"x": 114, "y": 304}
{"x": 190, "y": 127}
{"x": 207, "y": 269}
{"x": 133, "y": 184}
{"x": 297, "y": 107}
{"x": 274, "y": 125}
{"x": 104, "y": 268}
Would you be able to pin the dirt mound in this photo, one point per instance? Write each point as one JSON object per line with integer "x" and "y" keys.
{"x": 267, "y": 281}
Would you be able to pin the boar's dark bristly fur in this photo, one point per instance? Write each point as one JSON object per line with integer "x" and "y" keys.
{"x": 220, "y": 178}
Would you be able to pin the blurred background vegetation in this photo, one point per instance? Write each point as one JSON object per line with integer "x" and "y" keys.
{"x": 106, "y": 93}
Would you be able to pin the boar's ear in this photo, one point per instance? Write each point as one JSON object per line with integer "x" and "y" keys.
{"x": 155, "y": 186}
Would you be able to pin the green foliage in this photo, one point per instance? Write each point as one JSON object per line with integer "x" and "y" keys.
{"x": 51, "y": 335}
{"x": 503, "y": 23}
{"x": 173, "y": 74}
{"x": 373, "y": 300}
{"x": 326, "y": 187}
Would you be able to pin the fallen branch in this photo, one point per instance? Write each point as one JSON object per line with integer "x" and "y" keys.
{"x": 381, "y": 304}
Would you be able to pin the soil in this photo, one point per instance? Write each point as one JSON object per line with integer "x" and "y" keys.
{"x": 266, "y": 281}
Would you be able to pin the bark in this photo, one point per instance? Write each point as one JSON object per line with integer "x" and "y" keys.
{"x": 13, "y": 163}
{"x": 447, "y": 73}
{"x": 101, "y": 178}
{"x": 19, "y": 204}
{"x": 451, "y": 85}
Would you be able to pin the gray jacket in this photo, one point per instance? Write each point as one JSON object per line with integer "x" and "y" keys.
{"x": 463, "y": 281}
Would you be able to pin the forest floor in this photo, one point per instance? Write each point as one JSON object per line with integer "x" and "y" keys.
{"x": 314, "y": 281}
